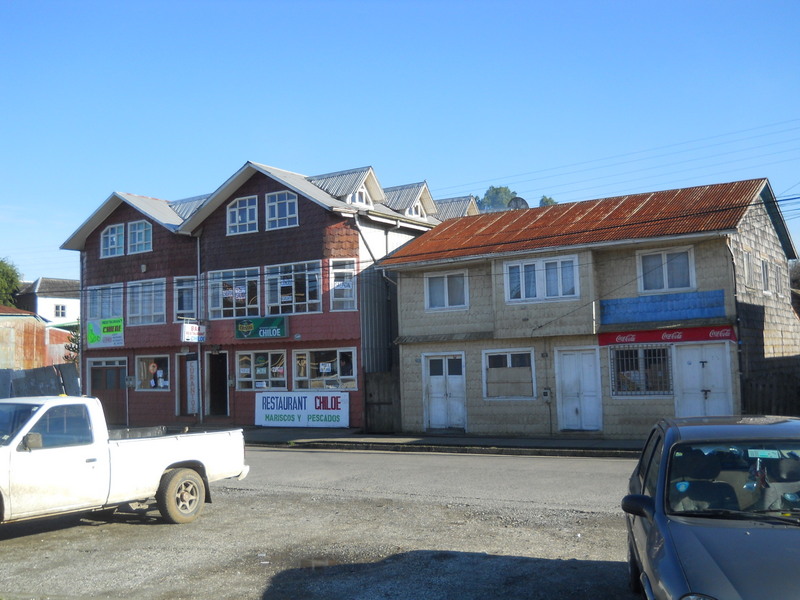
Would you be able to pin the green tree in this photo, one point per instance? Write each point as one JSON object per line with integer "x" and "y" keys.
{"x": 547, "y": 201}
{"x": 9, "y": 282}
{"x": 496, "y": 198}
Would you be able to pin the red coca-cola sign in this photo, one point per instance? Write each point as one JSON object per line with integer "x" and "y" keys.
{"x": 668, "y": 336}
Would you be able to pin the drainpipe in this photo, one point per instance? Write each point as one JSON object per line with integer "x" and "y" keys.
{"x": 198, "y": 291}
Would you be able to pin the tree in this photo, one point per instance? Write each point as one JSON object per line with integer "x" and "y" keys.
{"x": 547, "y": 201}
{"x": 496, "y": 198}
{"x": 73, "y": 348}
{"x": 9, "y": 282}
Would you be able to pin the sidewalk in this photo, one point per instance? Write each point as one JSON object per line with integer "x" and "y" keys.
{"x": 355, "y": 439}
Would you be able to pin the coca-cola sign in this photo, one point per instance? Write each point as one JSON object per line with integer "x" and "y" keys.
{"x": 668, "y": 336}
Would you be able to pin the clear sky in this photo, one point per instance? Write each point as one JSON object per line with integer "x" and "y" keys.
{"x": 574, "y": 99}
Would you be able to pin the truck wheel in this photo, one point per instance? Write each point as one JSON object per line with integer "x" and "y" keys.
{"x": 181, "y": 496}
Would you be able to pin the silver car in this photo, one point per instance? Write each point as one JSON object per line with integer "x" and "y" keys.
{"x": 713, "y": 510}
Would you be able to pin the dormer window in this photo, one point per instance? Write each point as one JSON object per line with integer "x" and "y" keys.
{"x": 243, "y": 215}
{"x": 416, "y": 210}
{"x": 361, "y": 197}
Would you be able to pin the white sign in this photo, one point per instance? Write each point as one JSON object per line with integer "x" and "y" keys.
{"x": 303, "y": 409}
{"x": 191, "y": 332}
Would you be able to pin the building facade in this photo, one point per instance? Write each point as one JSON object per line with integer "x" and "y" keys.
{"x": 596, "y": 318}
{"x": 258, "y": 303}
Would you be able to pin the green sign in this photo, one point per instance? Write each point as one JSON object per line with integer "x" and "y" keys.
{"x": 105, "y": 333}
{"x": 268, "y": 327}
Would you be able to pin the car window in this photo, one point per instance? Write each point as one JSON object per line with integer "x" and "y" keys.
{"x": 64, "y": 426}
{"x": 651, "y": 476}
{"x": 647, "y": 454}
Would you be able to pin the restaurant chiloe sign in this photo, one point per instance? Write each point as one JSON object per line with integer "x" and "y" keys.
{"x": 260, "y": 328}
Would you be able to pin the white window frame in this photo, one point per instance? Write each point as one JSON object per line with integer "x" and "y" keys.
{"x": 238, "y": 284}
{"x": 664, "y": 252}
{"x": 638, "y": 377}
{"x": 360, "y": 197}
{"x": 447, "y": 304}
{"x": 284, "y": 287}
{"x": 281, "y": 208}
{"x": 105, "y": 301}
{"x": 508, "y": 352}
{"x": 416, "y": 210}
{"x": 343, "y": 284}
{"x": 765, "y": 277}
{"x": 242, "y": 216}
{"x": 302, "y": 376}
{"x": 140, "y": 237}
{"x": 60, "y": 311}
{"x": 540, "y": 290}
{"x": 147, "y": 302}
{"x": 112, "y": 241}
{"x": 262, "y": 377}
{"x": 149, "y": 379}
{"x": 183, "y": 285}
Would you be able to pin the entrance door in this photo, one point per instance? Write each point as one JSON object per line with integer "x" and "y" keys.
{"x": 108, "y": 385}
{"x": 218, "y": 384}
{"x": 445, "y": 390}
{"x": 580, "y": 405}
{"x": 702, "y": 377}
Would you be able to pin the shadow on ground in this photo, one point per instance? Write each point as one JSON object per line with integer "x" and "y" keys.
{"x": 433, "y": 575}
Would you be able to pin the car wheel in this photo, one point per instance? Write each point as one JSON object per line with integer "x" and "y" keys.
{"x": 181, "y": 496}
{"x": 634, "y": 581}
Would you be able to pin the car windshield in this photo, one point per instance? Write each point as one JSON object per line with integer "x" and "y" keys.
{"x": 750, "y": 477}
{"x": 12, "y": 418}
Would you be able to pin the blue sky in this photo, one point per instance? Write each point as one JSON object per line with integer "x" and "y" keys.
{"x": 571, "y": 99}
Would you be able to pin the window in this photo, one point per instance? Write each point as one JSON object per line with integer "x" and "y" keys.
{"x": 343, "y": 285}
{"x": 416, "y": 210}
{"x": 185, "y": 298}
{"x": 152, "y": 373}
{"x": 361, "y": 197}
{"x": 261, "y": 370}
{"x": 243, "y": 215}
{"x": 328, "y": 369}
{"x": 147, "y": 302}
{"x": 104, "y": 302}
{"x": 60, "y": 311}
{"x": 667, "y": 270}
{"x": 281, "y": 210}
{"x": 765, "y": 276}
{"x": 63, "y": 426}
{"x": 446, "y": 290}
{"x": 641, "y": 370}
{"x": 543, "y": 279}
{"x": 508, "y": 373}
{"x": 293, "y": 288}
{"x": 140, "y": 237}
{"x": 233, "y": 294}
{"x": 112, "y": 241}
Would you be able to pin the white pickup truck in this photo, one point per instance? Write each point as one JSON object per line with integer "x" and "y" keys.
{"x": 58, "y": 456}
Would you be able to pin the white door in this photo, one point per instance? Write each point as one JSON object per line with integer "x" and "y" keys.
{"x": 580, "y": 403}
{"x": 69, "y": 472}
{"x": 702, "y": 377}
{"x": 445, "y": 391}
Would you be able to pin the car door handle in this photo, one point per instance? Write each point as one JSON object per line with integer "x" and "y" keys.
{"x": 91, "y": 460}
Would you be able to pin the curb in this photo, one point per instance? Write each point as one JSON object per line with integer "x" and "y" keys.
{"x": 453, "y": 449}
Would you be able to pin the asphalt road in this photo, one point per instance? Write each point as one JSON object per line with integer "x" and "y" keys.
{"x": 322, "y": 525}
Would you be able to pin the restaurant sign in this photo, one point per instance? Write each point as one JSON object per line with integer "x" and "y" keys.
{"x": 261, "y": 328}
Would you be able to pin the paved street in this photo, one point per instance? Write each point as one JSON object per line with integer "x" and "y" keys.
{"x": 323, "y": 525}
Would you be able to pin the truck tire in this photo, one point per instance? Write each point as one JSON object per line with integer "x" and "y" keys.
{"x": 181, "y": 496}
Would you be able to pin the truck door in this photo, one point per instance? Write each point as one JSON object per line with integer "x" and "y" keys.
{"x": 70, "y": 471}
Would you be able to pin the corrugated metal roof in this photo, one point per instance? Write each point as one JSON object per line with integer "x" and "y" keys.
{"x": 401, "y": 197}
{"x": 452, "y": 208}
{"x": 657, "y": 214}
{"x": 342, "y": 183}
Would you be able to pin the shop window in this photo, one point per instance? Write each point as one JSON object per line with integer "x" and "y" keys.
{"x": 152, "y": 373}
{"x": 508, "y": 374}
{"x": 326, "y": 369}
{"x": 261, "y": 370}
{"x": 641, "y": 370}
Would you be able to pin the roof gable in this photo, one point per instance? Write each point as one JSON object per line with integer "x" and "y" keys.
{"x": 677, "y": 212}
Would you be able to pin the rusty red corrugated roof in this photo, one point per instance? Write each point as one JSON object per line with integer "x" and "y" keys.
{"x": 682, "y": 211}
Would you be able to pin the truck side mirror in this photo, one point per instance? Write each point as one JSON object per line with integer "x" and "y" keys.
{"x": 32, "y": 441}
